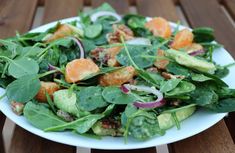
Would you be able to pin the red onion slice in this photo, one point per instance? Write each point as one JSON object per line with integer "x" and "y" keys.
{"x": 197, "y": 52}
{"x": 139, "y": 41}
{"x": 95, "y": 16}
{"x": 80, "y": 45}
{"x": 157, "y": 103}
{"x": 124, "y": 89}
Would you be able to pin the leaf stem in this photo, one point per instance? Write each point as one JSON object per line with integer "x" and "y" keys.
{"x": 47, "y": 73}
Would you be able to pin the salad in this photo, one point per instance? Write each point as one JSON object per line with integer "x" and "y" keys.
{"x": 112, "y": 75}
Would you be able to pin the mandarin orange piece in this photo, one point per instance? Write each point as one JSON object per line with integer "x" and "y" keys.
{"x": 159, "y": 27}
{"x": 183, "y": 38}
{"x": 79, "y": 69}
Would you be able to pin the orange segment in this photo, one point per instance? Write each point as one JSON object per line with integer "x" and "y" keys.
{"x": 62, "y": 31}
{"x": 183, "y": 38}
{"x": 117, "y": 77}
{"x": 159, "y": 27}
{"x": 78, "y": 69}
{"x": 161, "y": 63}
{"x": 49, "y": 87}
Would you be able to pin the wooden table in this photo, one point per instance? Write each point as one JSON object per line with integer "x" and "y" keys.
{"x": 218, "y": 14}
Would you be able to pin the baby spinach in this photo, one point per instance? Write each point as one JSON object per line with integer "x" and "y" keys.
{"x": 40, "y": 116}
{"x": 177, "y": 69}
{"x": 169, "y": 85}
{"x": 109, "y": 110}
{"x": 182, "y": 88}
{"x": 199, "y": 77}
{"x": 138, "y": 55}
{"x": 90, "y": 98}
{"x": 93, "y": 31}
{"x": 203, "y": 96}
{"x": 203, "y": 34}
{"x": 9, "y": 49}
{"x": 80, "y": 125}
{"x": 224, "y": 105}
{"x": 23, "y": 89}
{"x": 225, "y": 92}
{"x": 23, "y": 66}
{"x": 221, "y": 72}
{"x": 114, "y": 95}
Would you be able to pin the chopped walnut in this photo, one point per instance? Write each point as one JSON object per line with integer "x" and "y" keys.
{"x": 152, "y": 69}
{"x": 171, "y": 76}
{"x": 118, "y": 31}
{"x": 17, "y": 107}
{"x": 65, "y": 116}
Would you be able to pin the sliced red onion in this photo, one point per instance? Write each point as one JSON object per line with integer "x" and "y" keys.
{"x": 124, "y": 89}
{"x": 80, "y": 45}
{"x": 197, "y": 52}
{"x": 51, "y": 67}
{"x": 95, "y": 16}
{"x": 139, "y": 41}
{"x": 152, "y": 104}
{"x": 157, "y": 103}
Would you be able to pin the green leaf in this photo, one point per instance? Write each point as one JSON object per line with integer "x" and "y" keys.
{"x": 203, "y": 96}
{"x": 93, "y": 31}
{"x": 23, "y": 89}
{"x": 182, "y": 88}
{"x": 23, "y": 66}
{"x": 221, "y": 72}
{"x": 81, "y": 125}
{"x": 199, "y": 77}
{"x": 225, "y": 92}
{"x": 109, "y": 110}
{"x": 169, "y": 85}
{"x": 203, "y": 34}
{"x": 138, "y": 54}
{"x": 90, "y": 98}
{"x": 11, "y": 49}
{"x": 224, "y": 105}
{"x": 177, "y": 69}
{"x": 41, "y": 116}
{"x": 116, "y": 96}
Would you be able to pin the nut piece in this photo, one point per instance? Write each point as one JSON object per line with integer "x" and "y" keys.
{"x": 171, "y": 76}
{"x": 17, "y": 107}
{"x": 117, "y": 77}
{"x": 49, "y": 87}
{"x": 161, "y": 63}
{"x": 118, "y": 31}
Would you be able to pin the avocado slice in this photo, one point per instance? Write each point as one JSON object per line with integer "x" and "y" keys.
{"x": 184, "y": 59}
{"x": 166, "y": 120}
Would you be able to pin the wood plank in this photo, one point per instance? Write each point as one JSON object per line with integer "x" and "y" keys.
{"x": 59, "y": 9}
{"x": 146, "y": 150}
{"x": 122, "y": 7}
{"x": 16, "y": 15}
{"x": 214, "y": 140}
{"x": 2, "y": 121}
{"x": 25, "y": 142}
{"x": 230, "y": 5}
{"x": 209, "y": 13}
{"x": 163, "y": 8}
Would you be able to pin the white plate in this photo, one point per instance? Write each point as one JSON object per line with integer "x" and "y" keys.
{"x": 199, "y": 122}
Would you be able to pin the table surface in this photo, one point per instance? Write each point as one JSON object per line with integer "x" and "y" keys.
{"x": 218, "y": 14}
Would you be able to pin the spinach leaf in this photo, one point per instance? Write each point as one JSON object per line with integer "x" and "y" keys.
{"x": 138, "y": 55}
{"x": 23, "y": 89}
{"x": 144, "y": 125}
{"x": 221, "y": 72}
{"x": 88, "y": 45}
{"x": 93, "y": 31}
{"x": 199, "y": 77}
{"x": 23, "y": 66}
{"x": 152, "y": 79}
{"x": 177, "y": 69}
{"x": 109, "y": 110}
{"x": 203, "y": 34}
{"x": 169, "y": 85}
{"x": 225, "y": 92}
{"x": 90, "y": 98}
{"x": 40, "y": 116}
{"x": 81, "y": 125}
{"x": 182, "y": 88}
{"x": 224, "y": 105}
{"x": 134, "y": 21}
{"x": 114, "y": 95}
{"x": 9, "y": 48}
{"x": 203, "y": 96}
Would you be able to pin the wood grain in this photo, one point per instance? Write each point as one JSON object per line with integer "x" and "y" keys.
{"x": 214, "y": 140}
{"x": 209, "y": 13}
{"x": 59, "y": 9}
{"x": 121, "y": 6}
{"x": 163, "y": 8}
{"x": 16, "y": 15}
{"x": 2, "y": 121}
{"x": 25, "y": 142}
{"x": 146, "y": 150}
{"x": 230, "y": 6}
